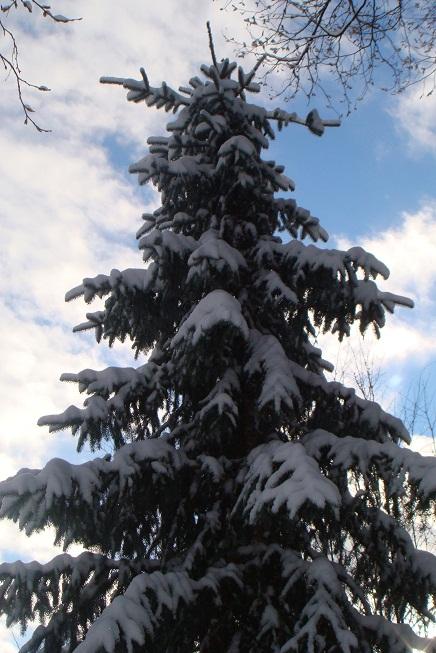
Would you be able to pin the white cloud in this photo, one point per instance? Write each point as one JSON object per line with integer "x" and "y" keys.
{"x": 400, "y": 343}
{"x": 408, "y": 249}
{"x": 62, "y": 212}
{"x": 108, "y": 41}
{"x": 7, "y": 643}
{"x": 16, "y": 545}
{"x": 423, "y": 444}
{"x": 65, "y": 214}
{"x": 414, "y": 113}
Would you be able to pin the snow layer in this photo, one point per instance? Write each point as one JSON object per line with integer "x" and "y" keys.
{"x": 129, "y": 280}
{"x": 279, "y": 385}
{"x": 134, "y": 616}
{"x": 217, "y": 307}
{"x": 216, "y": 252}
{"x": 283, "y": 475}
{"x": 392, "y": 461}
{"x": 29, "y": 496}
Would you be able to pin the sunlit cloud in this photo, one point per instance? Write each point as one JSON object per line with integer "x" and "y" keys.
{"x": 404, "y": 248}
{"x": 409, "y": 336}
{"x": 414, "y": 112}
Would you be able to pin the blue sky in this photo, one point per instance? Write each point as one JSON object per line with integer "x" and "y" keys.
{"x": 68, "y": 208}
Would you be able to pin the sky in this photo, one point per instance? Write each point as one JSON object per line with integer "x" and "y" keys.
{"x": 69, "y": 209}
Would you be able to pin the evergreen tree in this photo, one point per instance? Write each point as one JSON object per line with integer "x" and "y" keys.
{"x": 249, "y": 504}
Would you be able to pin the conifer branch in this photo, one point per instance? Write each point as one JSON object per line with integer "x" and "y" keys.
{"x": 211, "y": 45}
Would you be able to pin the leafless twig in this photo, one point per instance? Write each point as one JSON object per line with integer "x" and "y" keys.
{"x": 418, "y": 406}
{"x": 358, "y": 367}
{"x": 320, "y": 46}
{"x": 9, "y": 51}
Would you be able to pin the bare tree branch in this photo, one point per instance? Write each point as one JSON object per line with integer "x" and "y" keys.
{"x": 340, "y": 48}
{"x": 418, "y": 405}
{"x": 9, "y": 51}
{"x": 356, "y": 365}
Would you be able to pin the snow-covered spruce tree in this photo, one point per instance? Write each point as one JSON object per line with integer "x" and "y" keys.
{"x": 249, "y": 504}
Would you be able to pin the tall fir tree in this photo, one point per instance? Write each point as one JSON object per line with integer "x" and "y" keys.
{"x": 249, "y": 505}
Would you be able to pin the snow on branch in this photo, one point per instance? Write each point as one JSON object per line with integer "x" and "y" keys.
{"x": 310, "y": 258}
{"x": 420, "y": 564}
{"x": 275, "y": 289}
{"x": 294, "y": 270}
{"x": 130, "y": 280}
{"x": 155, "y": 166}
{"x": 134, "y": 617}
{"x": 25, "y": 573}
{"x": 391, "y": 461}
{"x": 268, "y": 358}
{"x": 57, "y": 479}
{"x": 219, "y": 84}
{"x": 367, "y": 294}
{"x": 114, "y": 394}
{"x": 166, "y": 244}
{"x": 299, "y": 221}
{"x": 11, "y": 62}
{"x": 278, "y": 180}
{"x": 313, "y": 121}
{"x": 81, "y": 577}
{"x": 337, "y": 262}
{"x": 131, "y": 618}
{"x": 221, "y": 400}
{"x": 216, "y": 308}
{"x": 396, "y": 636}
{"x": 215, "y": 253}
{"x": 159, "y": 96}
{"x": 128, "y": 291}
{"x": 328, "y": 603}
{"x": 368, "y": 413}
{"x": 33, "y": 496}
{"x": 282, "y": 475}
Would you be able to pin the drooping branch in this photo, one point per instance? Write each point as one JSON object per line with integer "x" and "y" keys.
{"x": 10, "y": 54}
